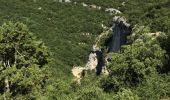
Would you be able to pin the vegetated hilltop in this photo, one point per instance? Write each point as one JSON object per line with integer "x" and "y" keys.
{"x": 139, "y": 71}
{"x": 60, "y": 25}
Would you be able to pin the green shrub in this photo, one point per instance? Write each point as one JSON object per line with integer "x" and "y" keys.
{"x": 154, "y": 88}
{"x": 126, "y": 94}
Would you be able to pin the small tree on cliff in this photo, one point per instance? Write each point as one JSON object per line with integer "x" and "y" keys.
{"x": 22, "y": 62}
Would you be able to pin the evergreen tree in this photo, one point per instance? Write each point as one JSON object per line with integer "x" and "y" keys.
{"x": 23, "y": 60}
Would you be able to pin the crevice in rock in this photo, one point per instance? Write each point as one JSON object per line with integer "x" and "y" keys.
{"x": 121, "y": 29}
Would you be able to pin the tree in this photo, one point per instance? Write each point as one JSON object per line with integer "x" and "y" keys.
{"x": 137, "y": 61}
{"x": 23, "y": 62}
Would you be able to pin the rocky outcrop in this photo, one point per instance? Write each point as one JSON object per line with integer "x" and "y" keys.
{"x": 78, "y": 72}
{"x": 98, "y": 57}
{"x": 95, "y": 60}
{"x": 92, "y": 62}
{"x": 112, "y": 11}
{"x": 121, "y": 29}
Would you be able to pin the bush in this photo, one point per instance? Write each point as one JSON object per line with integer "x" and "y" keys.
{"x": 154, "y": 88}
{"x": 126, "y": 94}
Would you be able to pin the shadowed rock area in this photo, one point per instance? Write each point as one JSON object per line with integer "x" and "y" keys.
{"x": 121, "y": 29}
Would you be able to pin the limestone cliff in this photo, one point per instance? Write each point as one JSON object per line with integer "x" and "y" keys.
{"x": 98, "y": 57}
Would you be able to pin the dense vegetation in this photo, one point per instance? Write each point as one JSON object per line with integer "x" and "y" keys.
{"x": 60, "y": 26}
{"x": 31, "y": 71}
{"x": 22, "y": 63}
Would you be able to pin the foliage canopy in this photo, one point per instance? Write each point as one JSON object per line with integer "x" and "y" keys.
{"x": 23, "y": 62}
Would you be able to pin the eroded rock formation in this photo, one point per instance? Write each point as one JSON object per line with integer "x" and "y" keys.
{"x": 121, "y": 29}
{"x": 98, "y": 57}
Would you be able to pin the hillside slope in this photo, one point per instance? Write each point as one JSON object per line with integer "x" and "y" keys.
{"x": 139, "y": 71}
{"x": 60, "y": 25}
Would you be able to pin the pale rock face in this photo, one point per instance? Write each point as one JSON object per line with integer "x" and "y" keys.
{"x": 123, "y": 3}
{"x": 154, "y": 34}
{"x": 105, "y": 71}
{"x": 95, "y": 48}
{"x": 92, "y": 62}
{"x": 76, "y": 71}
{"x": 112, "y": 11}
{"x": 84, "y": 5}
{"x": 103, "y": 26}
{"x": 67, "y": 1}
{"x": 93, "y": 6}
{"x": 121, "y": 19}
